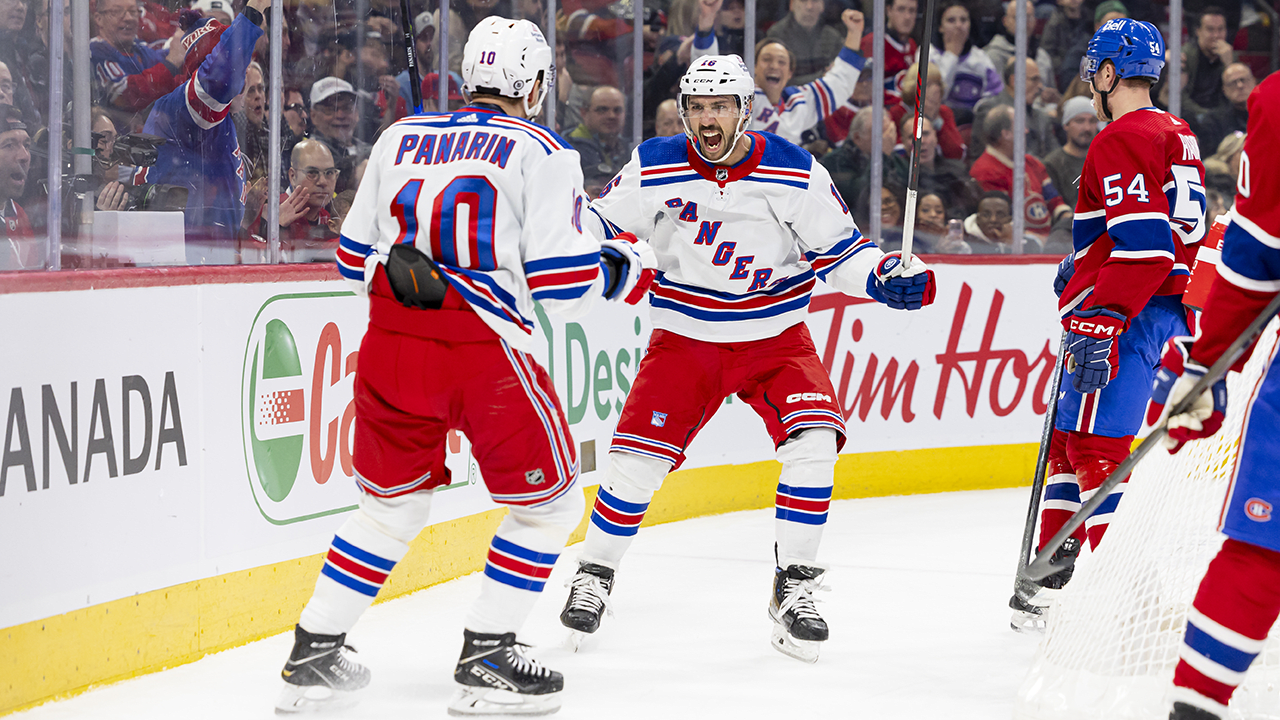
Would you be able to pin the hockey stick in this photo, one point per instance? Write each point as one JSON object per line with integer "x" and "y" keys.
{"x": 1042, "y": 568}
{"x": 1022, "y": 587}
{"x": 411, "y": 58}
{"x": 913, "y": 179}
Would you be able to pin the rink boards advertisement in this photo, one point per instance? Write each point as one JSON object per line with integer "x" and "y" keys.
{"x": 161, "y": 435}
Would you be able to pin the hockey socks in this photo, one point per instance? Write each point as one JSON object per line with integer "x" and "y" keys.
{"x": 804, "y": 494}
{"x": 1237, "y": 603}
{"x": 355, "y": 569}
{"x": 1061, "y": 492}
{"x": 621, "y": 502}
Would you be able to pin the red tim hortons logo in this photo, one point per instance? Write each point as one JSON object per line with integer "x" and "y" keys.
{"x": 1258, "y": 509}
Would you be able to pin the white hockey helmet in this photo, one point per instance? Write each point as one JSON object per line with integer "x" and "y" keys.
{"x": 505, "y": 57}
{"x": 718, "y": 75}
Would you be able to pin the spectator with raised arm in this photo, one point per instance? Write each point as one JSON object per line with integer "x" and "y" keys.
{"x": 967, "y": 74}
{"x": 779, "y": 107}
{"x": 128, "y": 74}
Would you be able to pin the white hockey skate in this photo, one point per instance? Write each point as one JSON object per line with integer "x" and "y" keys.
{"x": 798, "y": 629}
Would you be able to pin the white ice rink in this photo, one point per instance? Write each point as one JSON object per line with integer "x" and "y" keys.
{"x": 917, "y": 609}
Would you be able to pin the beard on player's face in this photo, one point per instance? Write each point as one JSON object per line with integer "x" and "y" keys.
{"x": 715, "y": 136}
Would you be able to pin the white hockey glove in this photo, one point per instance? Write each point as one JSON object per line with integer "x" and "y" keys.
{"x": 629, "y": 266}
{"x": 901, "y": 288}
{"x": 1173, "y": 381}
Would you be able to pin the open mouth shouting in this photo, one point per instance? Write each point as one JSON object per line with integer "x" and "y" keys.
{"x": 712, "y": 139}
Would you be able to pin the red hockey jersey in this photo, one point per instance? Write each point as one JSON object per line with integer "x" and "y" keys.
{"x": 1140, "y": 216}
{"x": 1249, "y": 271}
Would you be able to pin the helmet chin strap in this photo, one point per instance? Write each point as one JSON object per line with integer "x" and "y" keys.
{"x": 1106, "y": 110}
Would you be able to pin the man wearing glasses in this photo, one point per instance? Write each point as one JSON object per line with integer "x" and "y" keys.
{"x": 598, "y": 139}
{"x": 128, "y": 75}
{"x": 334, "y": 118}
{"x": 307, "y": 206}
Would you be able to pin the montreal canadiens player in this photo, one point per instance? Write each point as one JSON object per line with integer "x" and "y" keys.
{"x": 462, "y": 221}
{"x": 777, "y": 107}
{"x": 1138, "y": 223}
{"x": 1239, "y": 597}
{"x": 743, "y": 225}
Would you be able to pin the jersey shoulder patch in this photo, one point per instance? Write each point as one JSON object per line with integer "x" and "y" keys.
{"x": 664, "y": 151}
{"x": 781, "y": 153}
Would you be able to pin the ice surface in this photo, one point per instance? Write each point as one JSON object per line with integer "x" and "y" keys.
{"x": 918, "y": 615}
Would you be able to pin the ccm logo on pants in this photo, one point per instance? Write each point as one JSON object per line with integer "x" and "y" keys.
{"x": 807, "y": 397}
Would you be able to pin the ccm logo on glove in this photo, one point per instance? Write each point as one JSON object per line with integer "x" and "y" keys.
{"x": 1093, "y": 329}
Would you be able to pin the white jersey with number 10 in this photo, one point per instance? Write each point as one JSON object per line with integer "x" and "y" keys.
{"x": 494, "y": 200}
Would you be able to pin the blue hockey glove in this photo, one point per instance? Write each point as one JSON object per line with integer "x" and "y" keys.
{"x": 909, "y": 289}
{"x": 628, "y": 265}
{"x": 1066, "y": 269}
{"x": 1093, "y": 343}
{"x": 1173, "y": 381}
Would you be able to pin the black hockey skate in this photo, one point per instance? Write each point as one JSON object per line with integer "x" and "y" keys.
{"x": 1183, "y": 711}
{"x": 497, "y": 679}
{"x": 589, "y": 591}
{"x": 1028, "y": 611}
{"x": 319, "y": 674}
{"x": 798, "y": 628}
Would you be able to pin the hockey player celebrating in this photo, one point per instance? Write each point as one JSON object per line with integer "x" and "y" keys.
{"x": 743, "y": 225}
{"x": 1239, "y": 598}
{"x": 781, "y": 108}
{"x": 451, "y": 296}
{"x": 1138, "y": 222}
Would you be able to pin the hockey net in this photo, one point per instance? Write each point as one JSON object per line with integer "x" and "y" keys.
{"x": 1113, "y": 634}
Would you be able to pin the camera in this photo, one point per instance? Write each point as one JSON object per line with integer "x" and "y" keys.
{"x": 137, "y": 149}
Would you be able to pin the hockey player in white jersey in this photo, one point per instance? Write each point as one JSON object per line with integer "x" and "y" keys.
{"x": 743, "y": 225}
{"x": 786, "y": 110}
{"x": 462, "y": 221}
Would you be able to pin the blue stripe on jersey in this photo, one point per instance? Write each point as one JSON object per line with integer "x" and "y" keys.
{"x": 561, "y": 293}
{"x": 1062, "y": 491}
{"x": 614, "y": 528}
{"x": 731, "y": 315}
{"x": 671, "y": 150}
{"x": 853, "y": 57}
{"x": 776, "y": 181}
{"x": 841, "y": 251}
{"x": 1141, "y": 235}
{"x": 1110, "y": 504}
{"x": 483, "y": 303}
{"x": 1217, "y": 651}
{"x": 812, "y": 493}
{"x": 585, "y": 260}
{"x": 350, "y": 273}
{"x": 621, "y": 506}
{"x": 780, "y": 153}
{"x": 669, "y": 179}
{"x": 778, "y": 288}
{"x": 356, "y": 247}
{"x": 510, "y": 548}
{"x": 514, "y": 581}
{"x": 610, "y": 230}
{"x": 1244, "y": 254}
{"x": 1084, "y": 231}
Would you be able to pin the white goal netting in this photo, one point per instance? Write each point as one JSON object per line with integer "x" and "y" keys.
{"x": 1113, "y": 635}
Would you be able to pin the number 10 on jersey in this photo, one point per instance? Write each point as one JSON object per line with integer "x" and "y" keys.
{"x": 469, "y": 204}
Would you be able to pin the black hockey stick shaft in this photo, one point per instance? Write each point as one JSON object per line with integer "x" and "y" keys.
{"x": 1041, "y": 567}
{"x": 1022, "y": 587}
{"x": 913, "y": 178}
{"x": 411, "y": 58}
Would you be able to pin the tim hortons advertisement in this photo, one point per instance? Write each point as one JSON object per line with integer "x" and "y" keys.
{"x": 178, "y": 433}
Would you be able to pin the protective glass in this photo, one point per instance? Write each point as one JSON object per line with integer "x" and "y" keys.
{"x": 1088, "y": 68}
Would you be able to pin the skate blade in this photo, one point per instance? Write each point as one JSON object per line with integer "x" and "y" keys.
{"x": 577, "y": 640}
{"x": 802, "y": 650}
{"x": 302, "y": 699}
{"x": 1027, "y": 623}
{"x": 471, "y": 701}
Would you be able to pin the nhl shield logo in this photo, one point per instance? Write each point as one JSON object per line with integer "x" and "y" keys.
{"x": 722, "y": 174}
{"x": 535, "y": 477}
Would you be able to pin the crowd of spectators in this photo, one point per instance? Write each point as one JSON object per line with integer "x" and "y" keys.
{"x": 345, "y": 81}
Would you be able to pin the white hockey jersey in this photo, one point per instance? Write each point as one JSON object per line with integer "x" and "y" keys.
{"x": 799, "y": 108}
{"x": 739, "y": 248}
{"x": 494, "y": 200}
